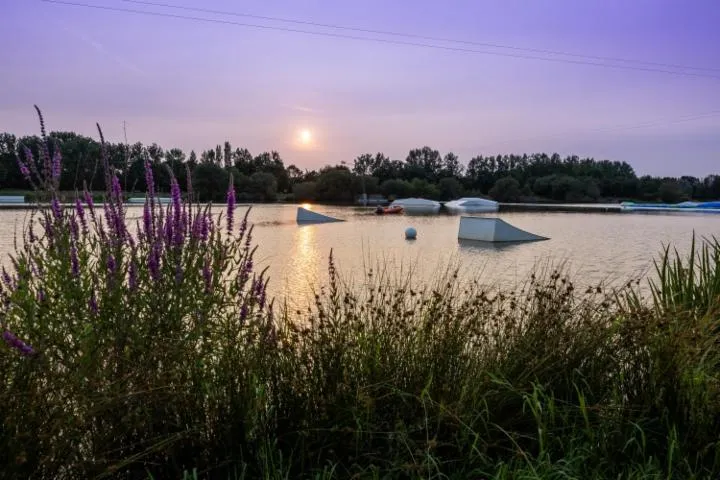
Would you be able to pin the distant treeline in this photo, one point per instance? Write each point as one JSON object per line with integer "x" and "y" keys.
{"x": 423, "y": 173}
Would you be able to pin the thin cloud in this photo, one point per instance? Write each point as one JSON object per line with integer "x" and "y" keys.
{"x": 100, "y": 48}
{"x": 300, "y": 108}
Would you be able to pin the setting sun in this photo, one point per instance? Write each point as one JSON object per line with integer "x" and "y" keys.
{"x": 305, "y": 136}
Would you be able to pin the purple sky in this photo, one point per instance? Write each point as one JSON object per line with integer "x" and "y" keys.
{"x": 193, "y": 84}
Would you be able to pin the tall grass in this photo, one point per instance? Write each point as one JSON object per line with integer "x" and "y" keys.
{"x": 156, "y": 354}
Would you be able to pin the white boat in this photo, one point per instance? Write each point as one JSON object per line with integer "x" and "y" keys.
{"x": 417, "y": 206}
{"x": 472, "y": 205}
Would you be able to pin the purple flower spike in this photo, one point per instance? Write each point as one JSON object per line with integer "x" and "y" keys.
{"x": 6, "y": 279}
{"x": 74, "y": 263}
{"x": 154, "y": 262}
{"x": 31, "y": 232}
{"x": 56, "y": 208}
{"x": 111, "y": 265}
{"x": 132, "y": 276}
{"x": 149, "y": 181}
{"x": 116, "y": 189}
{"x": 80, "y": 212}
{"x": 205, "y": 228}
{"x": 14, "y": 342}
{"x": 147, "y": 221}
{"x": 178, "y": 229}
{"x": 23, "y": 168}
{"x": 230, "y": 207}
{"x": 74, "y": 229}
{"x": 243, "y": 312}
{"x": 207, "y": 275}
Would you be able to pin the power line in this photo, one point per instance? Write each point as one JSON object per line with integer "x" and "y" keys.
{"x": 420, "y": 37}
{"x": 378, "y": 40}
{"x": 655, "y": 123}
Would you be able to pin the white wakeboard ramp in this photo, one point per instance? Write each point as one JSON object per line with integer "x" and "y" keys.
{"x": 307, "y": 217}
{"x": 490, "y": 229}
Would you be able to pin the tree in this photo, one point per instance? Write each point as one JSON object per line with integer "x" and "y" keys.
{"x": 294, "y": 174}
{"x": 450, "y": 188}
{"x": 305, "y": 191}
{"x": 335, "y": 184}
{"x": 210, "y": 182}
{"x": 671, "y": 192}
{"x": 243, "y": 161}
{"x": 263, "y": 186}
{"x": 227, "y": 155}
{"x": 424, "y": 163}
{"x": 395, "y": 188}
{"x": 361, "y": 166}
{"x": 451, "y": 166}
{"x": 506, "y": 189}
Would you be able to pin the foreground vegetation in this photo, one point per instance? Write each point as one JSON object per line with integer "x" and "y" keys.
{"x": 423, "y": 173}
{"x": 156, "y": 354}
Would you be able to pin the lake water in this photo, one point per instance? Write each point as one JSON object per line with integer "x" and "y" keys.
{"x": 597, "y": 247}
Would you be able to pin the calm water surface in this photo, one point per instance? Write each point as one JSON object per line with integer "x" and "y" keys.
{"x": 596, "y": 247}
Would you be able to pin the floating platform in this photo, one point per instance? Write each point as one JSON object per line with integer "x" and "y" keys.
{"x": 307, "y": 217}
{"x": 561, "y": 207}
{"x": 489, "y": 229}
{"x": 12, "y": 199}
{"x": 686, "y": 207}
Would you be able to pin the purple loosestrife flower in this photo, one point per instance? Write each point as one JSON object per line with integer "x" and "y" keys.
{"x": 262, "y": 296}
{"x": 24, "y": 169}
{"x": 111, "y": 265}
{"x": 147, "y": 221}
{"x": 207, "y": 275}
{"x": 41, "y": 295}
{"x": 168, "y": 230}
{"x": 116, "y": 190}
{"x": 7, "y": 280}
{"x": 230, "y": 206}
{"x": 205, "y": 228}
{"x": 14, "y": 342}
{"x": 31, "y": 232}
{"x": 132, "y": 276}
{"x": 74, "y": 229}
{"x": 243, "y": 312}
{"x": 74, "y": 263}
{"x": 56, "y": 208}
{"x": 195, "y": 230}
{"x": 149, "y": 181}
{"x": 80, "y": 213}
{"x": 154, "y": 261}
{"x": 89, "y": 202}
{"x": 178, "y": 228}
{"x": 245, "y": 272}
{"x": 243, "y": 226}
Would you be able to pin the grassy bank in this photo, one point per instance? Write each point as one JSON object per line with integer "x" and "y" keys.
{"x": 159, "y": 355}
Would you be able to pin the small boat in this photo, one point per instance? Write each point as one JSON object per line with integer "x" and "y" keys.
{"x": 389, "y": 210}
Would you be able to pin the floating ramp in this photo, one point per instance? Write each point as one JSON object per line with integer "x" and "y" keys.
{"x": 306, "y": 217}
{"x": 493, "y": 230}
{"x": 12, "y": 199}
